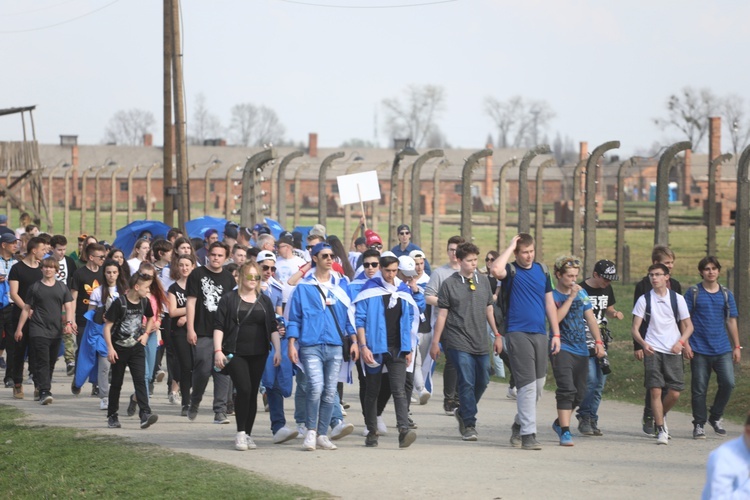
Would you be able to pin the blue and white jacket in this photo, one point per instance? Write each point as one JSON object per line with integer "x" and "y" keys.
{"x": 370, "y": 314}
{"x": 309, "y": 320}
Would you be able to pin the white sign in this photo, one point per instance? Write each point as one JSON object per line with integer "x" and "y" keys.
{"x": 358, "y": 187}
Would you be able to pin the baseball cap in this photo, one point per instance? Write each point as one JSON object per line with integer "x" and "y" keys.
{"x": 8, "y": 238}
{"x": 318, "y": 248}
{"x": 407, "y": 266}
{"x": 230, "y": 231}
{"x": 286, "y": 237}
{"x": 607, "y": 270}
{"x": 372, "y": 238}
{"x": 388, "y": 253}
{"x": 403, "y": 227}
{"x": 265, "y": 255}
{"x": 318, "y": 230}
{"x": 416, "y": 253}
{"x": 264, "y": 230}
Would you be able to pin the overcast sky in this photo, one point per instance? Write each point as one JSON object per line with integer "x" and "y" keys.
{"x": 606, "y": 68}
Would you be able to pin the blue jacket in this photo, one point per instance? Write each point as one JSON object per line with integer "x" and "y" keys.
{"x": 311, "y": 323}
{"x": 370, "y": 315}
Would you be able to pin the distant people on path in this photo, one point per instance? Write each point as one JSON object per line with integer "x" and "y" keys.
{"x": 668, "y": 328}
{"x": 713, "y": 312}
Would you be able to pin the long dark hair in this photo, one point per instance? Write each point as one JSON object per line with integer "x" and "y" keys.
{"x": 155, "y": 289}
{"x": 341, "y": 256}
{"x": 121, "y": 284}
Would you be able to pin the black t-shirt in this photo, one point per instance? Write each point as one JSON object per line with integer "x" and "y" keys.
{"x": 181, "y": 296}
{"x": 392, "y": 322}
{"x": 47, "y": 303}
{"x": 85, "y": 281}
{"x": 252, "y": 339}
{"x": 128, "y": 322}
{"x": 26, "y": 276}
{"x": 208, "y": 287}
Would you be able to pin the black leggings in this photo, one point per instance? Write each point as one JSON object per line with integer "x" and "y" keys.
{"x": 246, "y": 372}
{"x": 184, "y": 354}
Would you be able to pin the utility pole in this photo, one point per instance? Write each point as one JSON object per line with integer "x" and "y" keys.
{"x": 183, "y": 205}
{"x": 167, "y": 161}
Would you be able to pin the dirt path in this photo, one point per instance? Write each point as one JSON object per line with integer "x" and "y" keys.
{"x": 624, "y": 463}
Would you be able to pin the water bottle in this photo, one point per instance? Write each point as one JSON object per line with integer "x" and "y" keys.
{"x": 229, "y": 358}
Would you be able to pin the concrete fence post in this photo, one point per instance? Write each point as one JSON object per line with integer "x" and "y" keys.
{"x": 620, "y": 228}
{"x": 502, "y": 202}
{"x": 590, "y": 217}
{"x": 742, "y": 247}
{"x": 576, "y": 247}
{"x": 436, "y": 208}
{"x": 524, "y": 217}
{"x": 250, "y": 212}
{"x": 539, "y": 216}
{"x": 322, "y": 196}
{"x": 711, "y": 212}
{"x": 416, "y": 205}
{"x": 467, "y": 205}
{"x": 281, "y": 183}
{"x": 661, "y": 230}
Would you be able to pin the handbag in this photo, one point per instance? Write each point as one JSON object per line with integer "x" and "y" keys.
{"x": 346, "y": 342}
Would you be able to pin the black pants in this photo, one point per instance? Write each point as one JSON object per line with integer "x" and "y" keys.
{"x": 246, "y": 373}
{"x": 135, "y": 358}
{"x": 17, "y": 350}
{"x": 46, "y": 352}
{"x": 397, "y": 377}
{"x": 6, "y": 330}
{"x": 184, "y": 359}
{"x": 450, "y": 381}
{"x": 506, "y": 361}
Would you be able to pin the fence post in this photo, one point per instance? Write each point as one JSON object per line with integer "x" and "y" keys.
{"x": 467, "y": 205}
{"x": 661, "y": 231}
{"x": 590, "y": 217}
{"x": 524, "y": 217}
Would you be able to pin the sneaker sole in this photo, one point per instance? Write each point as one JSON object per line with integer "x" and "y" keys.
{"x": 408, "y": 440}
{"x": 571, "y": 443}
{"x": 703, "y": 436}
{"x": 151, "y": 421}
{"x": 424, "y": 398}
{"x": 469, "y": 438}
{"x": 309, "y": 448}
{"x": 221, "y": 422}
{"x": 345, "y": 432}
{"x": 531, "y": 448}
{"x": 118, "y": 426}
{"x": 662, "y": 442}
{"x": 160, "y": 376}
{"x": 46, "y": 400}
{"x": 288, "y": 438}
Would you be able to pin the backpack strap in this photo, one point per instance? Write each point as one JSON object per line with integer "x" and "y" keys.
{"x": 724, "y": 291}
{"x": 675, "y": 309}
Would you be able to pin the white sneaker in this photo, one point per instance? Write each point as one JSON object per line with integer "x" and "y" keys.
{"x": 666, "y": 429}
{"x": 309, "y": 442}
{"x": 343, "y": 429}
{"x": 512, "y": 393}
{"x": 424, "y": 396}
{"x": 662, "y": 438}
{"x": 103, "y": 403}
{"x": 325, "y": 444}
{"x": 414, "y": 400}
{"x": 250, "y": 443}
{"x": 343, "y": 411}
{"x": 382, "y": 429}
{"x": 301, "y": 431}
{"x": 240, "y": 441}
{"x": 284, "y": 434}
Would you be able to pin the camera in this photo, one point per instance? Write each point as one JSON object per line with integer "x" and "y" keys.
{"x": 606, "y": 339}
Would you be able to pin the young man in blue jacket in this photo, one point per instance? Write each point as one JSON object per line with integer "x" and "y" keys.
{"x": 319, "y": 322}
{"x": 387, "y": 318}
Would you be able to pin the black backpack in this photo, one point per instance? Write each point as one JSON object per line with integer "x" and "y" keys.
{"x": 724, "y": 291}
{"x": 647, "y": 313}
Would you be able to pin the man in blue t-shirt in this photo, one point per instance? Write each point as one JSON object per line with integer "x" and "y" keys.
{"x": 529, "y": 303}
{"x": 714, "y": 312}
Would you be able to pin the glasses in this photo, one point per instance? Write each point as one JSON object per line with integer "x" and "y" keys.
{"x": 252, "y": 277}
{"x": 568, "y": 263}
{"x": 370, "y": 264}
{"x": 266, "y": 268}
{"x": 489, "y": 259}
{"x": 98, "y": 256}
{"x": 377, "y": 247}
{"x": 452, "y": 250}
{"x": 402, "y": 233}
{"x": 655, "y": 275}
{"x": 146, "y": 276}
{"x": 472, "y": 285}
{"x": 325, "y": 256}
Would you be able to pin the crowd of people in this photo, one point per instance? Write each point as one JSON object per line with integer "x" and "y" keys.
{"x": 254, "y": 312}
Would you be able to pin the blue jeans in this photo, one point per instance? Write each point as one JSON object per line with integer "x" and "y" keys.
{"x": 701, "y": 366}
{"x": 276, "y": 407}
{"x": 322, "y": 364}
{"x": 473, "y": 372}
{"x": 300, "y": 413}
{"x": 594, "y": 386}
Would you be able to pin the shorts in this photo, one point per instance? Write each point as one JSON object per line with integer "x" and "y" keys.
{"x": 664, "y": 370}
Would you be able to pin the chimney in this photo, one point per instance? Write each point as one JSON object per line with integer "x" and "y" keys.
{"x": 583, "y": 150}
{"x": 488, "y": 191}
{"x": 74, "y": 156}
{"x": 687, "y": 178}
{"x": 714, "y": 143}
{"x": 148, "y": 140}
{"x": 312, "y": 145}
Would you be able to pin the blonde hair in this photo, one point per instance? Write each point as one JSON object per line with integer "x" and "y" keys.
{"x": 244, "y": 269}
{"x": 566, "y": 261}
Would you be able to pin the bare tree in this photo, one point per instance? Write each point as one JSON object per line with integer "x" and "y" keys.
{"x": 255, "y": 126}
{"x": 414, "y": 117}
{"x": 519, "y": 121}
{"x": 736, "y": 121}
{"x": 205, "y": 125}
{"x": 688, "y": 112}
{"x": 129, "y": 126}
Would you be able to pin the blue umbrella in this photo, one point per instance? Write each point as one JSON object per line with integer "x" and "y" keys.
{"x": 196, "y": 228}
{"x": 275, "y": 227}
{"x": 128, "y": 235}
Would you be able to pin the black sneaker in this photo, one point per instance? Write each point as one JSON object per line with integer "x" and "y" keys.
{"x": 412, "y": 423}
{"x": 220, "y": 418}
{"x": 529, "y": 442}
{"x": 94, "y": 390}
{"x": 8, "y": 383}
{"x": 461, "y": 426}
{"x": 406, "y": 438}
{"x": 184, "y": 412}
{"x": 46, "y": 398}
{"x": 371, "y": 441}
{"x": 515, "y": 435}
{"x": 113, "y": 422}
{"x": 718, "y": 427}
{"x": 698, "y": 432}
{"x": 447, "y": 407}
{"x": 75, "y": 390}
{"x": 192, "y": 412}
{"x": 148, "y": 419}
{"x": 648, "y": 425}
{"x": 470, "y": 434}
{"x": 132, "y": 406}
{"x": 70, "y": 369}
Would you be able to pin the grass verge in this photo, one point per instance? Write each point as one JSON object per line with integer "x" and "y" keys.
{"x": 50, "y": 462}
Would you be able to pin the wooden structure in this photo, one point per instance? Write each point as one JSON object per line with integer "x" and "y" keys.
{"x": 23, "y": 157}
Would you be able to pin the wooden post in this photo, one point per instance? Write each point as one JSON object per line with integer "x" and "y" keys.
{"x": 167, "y": 117}
{"x": 148, "y": 189}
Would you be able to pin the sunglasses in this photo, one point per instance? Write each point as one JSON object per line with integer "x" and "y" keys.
{"x": 146, "y": 276}
{"x": 377, "y": 247}
{"x": 569, "y": 263}
{"x": 404, "y": 232}
{"x": 370, "y": 264}
{"x": 99, "y": 256}
{"x": 266, "y": 268}
{"x": 252, "y": 277}
{"x": 489, "y": 259}
{"x": 325, "y": 256}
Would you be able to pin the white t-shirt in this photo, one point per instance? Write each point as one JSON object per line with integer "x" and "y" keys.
{"x": 134, "y": 265}
{"x": 663, "y": 332}
{"x": 96, "y": 297}
{"x": 285, "y": 268}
